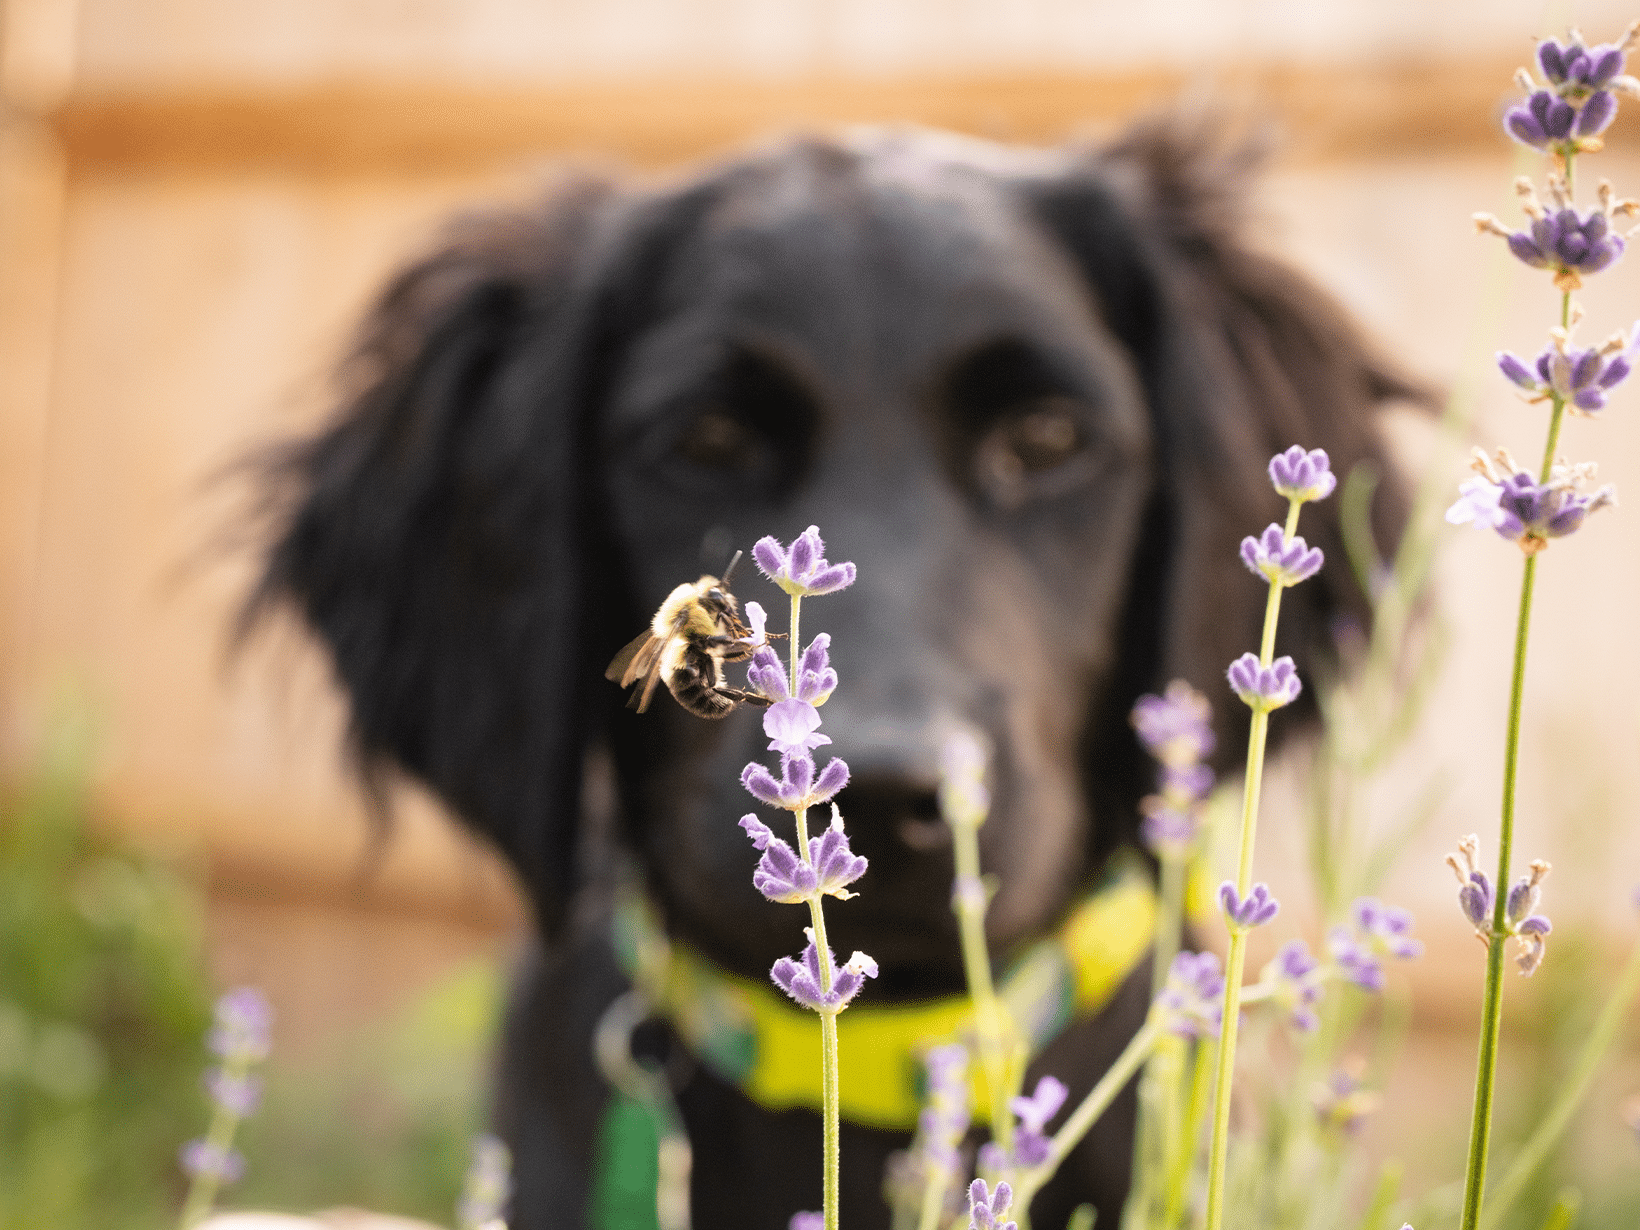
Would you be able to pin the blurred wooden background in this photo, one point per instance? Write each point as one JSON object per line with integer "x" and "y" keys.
{"x": 197, "y": 198}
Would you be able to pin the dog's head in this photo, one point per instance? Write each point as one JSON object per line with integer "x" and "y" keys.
{"x": 1031, "y": 395}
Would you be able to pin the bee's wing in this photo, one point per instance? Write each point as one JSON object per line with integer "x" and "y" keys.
{"x": 624, "y": 667}
{"x": 640, "y": 700}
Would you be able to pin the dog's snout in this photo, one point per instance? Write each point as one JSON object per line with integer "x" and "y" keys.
{"x": 883, "y": 807}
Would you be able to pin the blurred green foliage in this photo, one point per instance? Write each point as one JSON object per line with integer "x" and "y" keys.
{"x": 104, "y": 1006}
{"x": 103, "y": 1003}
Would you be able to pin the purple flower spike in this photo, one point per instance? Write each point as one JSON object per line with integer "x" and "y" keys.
{"x": 1474, "y": 887}
{"x": 780, "y": 875}
{"x": 766, "y": 675}
{"x": 1191, "y": 1000}
{"x": 1379, "y": 931}
{"x": 816, "y": 680}
{"x": 1167, "y": 832}
{"x": 793, "y": 727}
{"x": 201, "y": 1159}
{"x": 835, "y": 864}
{"x": 1343, "y": 1103}
{"x": 243, "y": 1025}
{"x": 987, "y": 1209}
{"x": 1529, "y": 513}
{"x": 1176, "y": 727}
{"x": 1541, "y": 121}
{"x": 1264, "y": 688}
{"x": 944, "y": 1119}
{"x": 239, "y": 1095}
{"x": 1284, "y": 562}
{"x": 1259, "y": 907}
{"x": 1597, "y": 114}
{"x": 807, "y": 1221}
{"x": 1031, "y": 1144}
{"x": 1303, "y": 476}
{"x": 1579, "y": 378}
{"x": 1296, "y": 978}
{"x": 803, "y": 570}
{"x": 797, "y": 787}
{"x": 1570, "y": 243}
{"x": 802, "y": 981}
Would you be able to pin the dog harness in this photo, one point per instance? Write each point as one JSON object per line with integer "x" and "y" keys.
{"x": 750, "y": 1034}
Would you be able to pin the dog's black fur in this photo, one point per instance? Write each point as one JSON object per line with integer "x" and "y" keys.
{"x": 1031, "y": 395}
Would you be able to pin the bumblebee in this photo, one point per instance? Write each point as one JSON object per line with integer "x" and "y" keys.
{"x": 696, "y": 631}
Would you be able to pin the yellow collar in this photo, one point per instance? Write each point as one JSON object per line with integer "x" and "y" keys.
{"x": 751, "y": 1035}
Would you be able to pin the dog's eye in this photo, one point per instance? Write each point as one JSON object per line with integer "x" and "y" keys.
{"x": 1042, "y": 436}
{"x": 1022, "y": 433}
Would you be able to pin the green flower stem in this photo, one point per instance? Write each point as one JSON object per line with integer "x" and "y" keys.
{"x": 1087, "y": 1114}
{"x": 1573, "y": 1090}
{"x": 797, "y": 611}
{"x": 1236, "y": 962}
{"x": 1480, "y": 1128}
{"x": 994, "y": 1032}
{"x": 1184, "y": 1151}
{"x": 831, "y": 1103}
{"x": 1158, "y": 1092}
{"x": 203, "y": 1188}
{"x": 933, "y": 1202}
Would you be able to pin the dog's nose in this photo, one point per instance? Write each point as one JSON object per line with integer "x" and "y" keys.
{"x": 881, "y": 807}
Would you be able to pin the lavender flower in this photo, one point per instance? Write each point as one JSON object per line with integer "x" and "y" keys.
{"x": 202, "y": 1160}
{"x": 242, "y": 1026}
{"x": 1259, "y": 907}
{"x": 803, "y": 570}
{"x": 1530, "y": 929}
{"x": 1342, "y": 1104}
{"x": 798, "y": 787}
{"x": 987, "y": 1209}
{"x": 807, "y": 1221}
{"x": 1031, "y": 1144}
{"x": 1281, "y": 561}
{"x": 783, "y": 877}
{"x": 1579, "y": 378}
{"x": 1378, "y": 931}
{"x": 1523, "y": 510}
{"x": 944, "y": 1120}
{"x": 964, "y": 798}
{"x": 1302, "y": 476}
{"x": 238, "y": 1093}
{"x": 240, "y": 1037}
{"x": 1295, "y": 979}
{"x": 1177, "y": 729}
{"x": 1191, "y": 1000}
{"x": 816, "y": 678}
{"x": 1177, "y": 726}
{"x": 1264, "y": 687}
{"x": 1563, "y": 239}
{"x": 1167, "y": 831}
{"x": 1474, "y": 886}
{"x": 801, "y": 978}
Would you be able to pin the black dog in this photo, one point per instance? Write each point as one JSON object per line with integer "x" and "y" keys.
{"x": 1030, "y": 394}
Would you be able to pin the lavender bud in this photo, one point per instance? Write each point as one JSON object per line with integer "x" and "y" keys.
{"x": 1259, "y": 907}
{"x": 1264, "y": 688}
{"x": 802, "y": 570}
{"x": 1303, "y": 476}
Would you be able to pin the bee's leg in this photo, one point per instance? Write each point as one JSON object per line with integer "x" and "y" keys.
{"x": 743, "y": 697}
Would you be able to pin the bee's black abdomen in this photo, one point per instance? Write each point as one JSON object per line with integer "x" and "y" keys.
{"x": 694, "y": 684}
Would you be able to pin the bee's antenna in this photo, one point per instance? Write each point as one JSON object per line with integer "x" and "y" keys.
{"x": 730, "y": 570}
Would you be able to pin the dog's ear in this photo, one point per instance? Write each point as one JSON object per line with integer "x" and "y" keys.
{"x": 1240, "y": 357}
{"x": 435, "y": 534}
